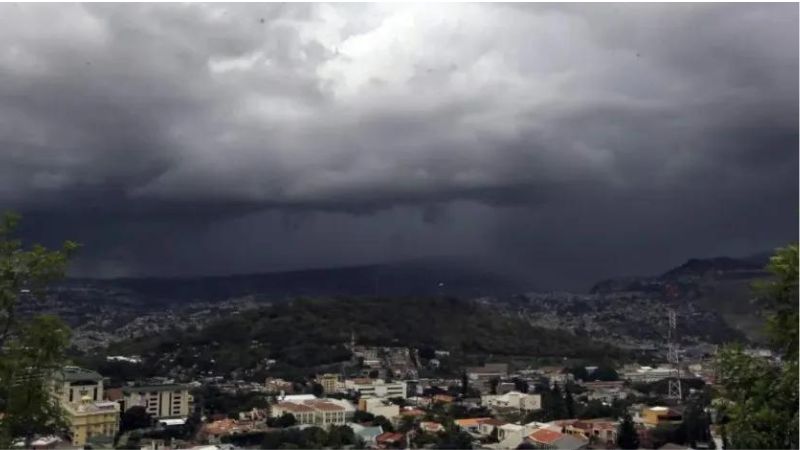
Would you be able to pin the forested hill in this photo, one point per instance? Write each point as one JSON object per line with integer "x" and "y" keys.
{"x": 307, "y": 333}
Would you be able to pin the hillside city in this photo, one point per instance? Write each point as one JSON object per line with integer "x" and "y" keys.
{"x": 220, "y": 384}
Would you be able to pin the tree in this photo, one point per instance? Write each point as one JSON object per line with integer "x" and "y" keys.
{"x": 464, "y": 384}
{"x": 383, "y": 422}
{"x": 285, "y": 420}
{"x": 521, "y": 385}
{"x": 317, "y": 390}
{"x": 493, "y": 383}
{"x": 557, "y": 407}
{"x": 627, "y": 436}
{"x": 781, "y": 301}
{"x": 31, "y": 349}
{"x": 406, "y": 424}
{"x": 569, "y": 403}
{"x": 362, "y": 416}
{"x": 759, "y": 398}
{"x": 135, "y": 418}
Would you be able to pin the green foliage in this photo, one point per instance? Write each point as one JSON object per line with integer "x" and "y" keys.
{"x": 308, "y": 333}
{"x": 384, "y": 423}
{"x": 760, "y": 400}
{"x": 781, "y": 295}
{"x": 285, "y": 420}
{"x": 135, "y": 418}
{"x": 627, "y": 436}
{"x": 757, "y": 397}
{"x": 362, "y": 416}
{"x": 215, "y": 401}
{"x": 31, "y": 349}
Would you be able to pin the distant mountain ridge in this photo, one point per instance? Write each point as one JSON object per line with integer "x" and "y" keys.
{"x": 407, "y": 278}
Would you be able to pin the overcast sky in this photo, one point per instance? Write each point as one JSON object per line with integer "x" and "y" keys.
{"x": 565, "y": 143}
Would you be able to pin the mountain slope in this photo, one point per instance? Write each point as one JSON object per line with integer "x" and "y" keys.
{"x": 303, "y": 334}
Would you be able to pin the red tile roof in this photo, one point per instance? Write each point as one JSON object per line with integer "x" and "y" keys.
{"x": 389, "y": 438}
{"x": 545, "y": 436}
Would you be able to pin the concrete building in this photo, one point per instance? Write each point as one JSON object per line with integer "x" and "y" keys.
{"x": 90, "y": 419}
{"x": 330, "y": 383}
{"x": 647, "y": 374}
{"x": 514, "y": 399}
{"x": 71, "y": 384}
{"x": 379, "y": 407}
{"x": 659, "y": 415}
{"x": 317, "y": 412}
{"x": 487, "y": 372}
{"x": 160, "y": 401}
{"x": 369, "y": 388}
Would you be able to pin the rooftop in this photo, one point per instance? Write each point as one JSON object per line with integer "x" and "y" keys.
{"x": 74, "y": 373}
{"x": 545, "y": 436}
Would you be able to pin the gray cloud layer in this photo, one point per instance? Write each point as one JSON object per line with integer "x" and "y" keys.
{"x": 219, "y": 138}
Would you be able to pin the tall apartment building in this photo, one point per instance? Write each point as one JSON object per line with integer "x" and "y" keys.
{"x": 369, "y": 388}
{"x": 161, "y": 401}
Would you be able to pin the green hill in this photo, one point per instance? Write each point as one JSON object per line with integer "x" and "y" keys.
{"x": 304, "y": 334}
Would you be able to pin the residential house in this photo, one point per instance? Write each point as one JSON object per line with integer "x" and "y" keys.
{"x": 548, "y": 439}
{"x": 431, "y": 427}
{"x": 391, "y": 440}
{"x": 470, "y": 425}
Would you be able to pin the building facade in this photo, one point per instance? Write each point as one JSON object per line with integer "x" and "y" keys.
{"x": 369, "y": 388}
{"x": 160, "y": 401}
{"x": 89, "y": 419}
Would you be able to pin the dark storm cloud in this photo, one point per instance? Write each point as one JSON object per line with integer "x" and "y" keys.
{"x": 239, "y": 137}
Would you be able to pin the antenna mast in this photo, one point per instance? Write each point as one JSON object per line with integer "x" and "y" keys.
{"x": 673, "y": 357}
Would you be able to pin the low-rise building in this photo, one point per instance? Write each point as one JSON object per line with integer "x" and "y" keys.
{"x": 90, "y": 419}
{"x": 161, "y": 401}
{"x": 71, "y": 384}
{"x": 659, "y": 415}
{"x": 487, "y": 372}
{"x": 331, "y": 383}
{"x": 514, "y": 399}
{"x": 379, "y": 407}
{"x": 372, "y": 388}
{"x": 545, "y": 438}
{"x": 317, "y": 412}
{"x": 647, "y": 374}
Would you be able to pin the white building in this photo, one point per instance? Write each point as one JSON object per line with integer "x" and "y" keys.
{"x": 379, "y": 407}
{"x": 513, "y": 399}
{"x": 647, "y": 374}
{"x": 317, "y": 412}
{"x": 369, "y": 388}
